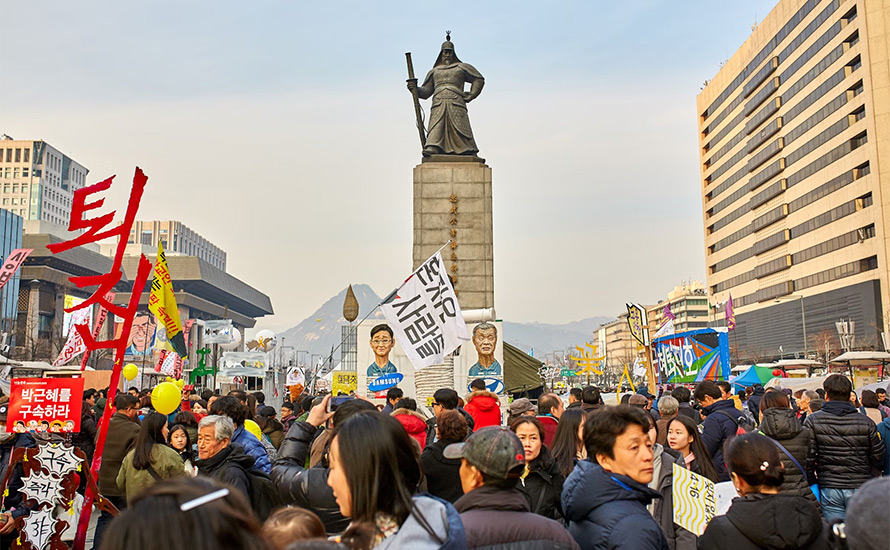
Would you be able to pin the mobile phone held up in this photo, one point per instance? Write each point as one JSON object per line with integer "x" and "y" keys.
{"x": 335, "y": 402}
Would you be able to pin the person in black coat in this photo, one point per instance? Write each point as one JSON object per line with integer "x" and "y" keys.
{"x": 443, "y": 474}
{"x": 763, "y": 518}
{"x": 780, "y": 423}
{"x": 720, "y": 424}
{"x": 604, "y": 502}
{"x": 308, "y": 487}
{"x": 494, "y": 513}
{"x": 85, "y": 439}
{"x": 754, "y": 400}
{"x": 683, "y": 395}
{"x": 542, "y": 481}
{"x": 9, "y": 442}
{"x": 219, "y": 458}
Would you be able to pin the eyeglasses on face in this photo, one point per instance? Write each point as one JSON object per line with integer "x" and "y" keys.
{"x": 379, "y": 342}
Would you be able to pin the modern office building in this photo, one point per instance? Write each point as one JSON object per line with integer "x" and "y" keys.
{"x": 794, "y": 134}
{"x": 10, "y": 239}
{"x": 177, "y": 237}
{"x": 688, "y": 303}
{"x": 37, "y": 181}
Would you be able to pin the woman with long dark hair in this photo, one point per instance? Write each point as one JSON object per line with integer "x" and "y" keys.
{"x": 374, "y": 474}
{"x": 190, "y": 513}
{"x": 150, "y": 459}
{"x": 568, "y": 443}
{"x": 541, "y": 482}
{"x": 763, "y": 517}
{"x": 683, "y": 436}
{"x": 780, "y": 423}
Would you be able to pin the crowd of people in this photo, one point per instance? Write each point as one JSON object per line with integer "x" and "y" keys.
{"x": 228, "y": 471}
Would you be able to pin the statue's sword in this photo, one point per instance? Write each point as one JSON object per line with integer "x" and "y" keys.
{"x": 411, "y": 78}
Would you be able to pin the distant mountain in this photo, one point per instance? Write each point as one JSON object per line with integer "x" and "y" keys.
{"x": 321, "y": 330}
{"x": 544, "y": 338}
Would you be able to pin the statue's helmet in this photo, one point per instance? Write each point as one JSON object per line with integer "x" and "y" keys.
{"x": 447, "y": 45}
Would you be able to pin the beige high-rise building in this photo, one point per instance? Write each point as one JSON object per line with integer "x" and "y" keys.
{"x": 177, "y": 237}
{"x": 688, "y": 303}
{"x": 794, "y": 134}
{"x": 38, "y": 181}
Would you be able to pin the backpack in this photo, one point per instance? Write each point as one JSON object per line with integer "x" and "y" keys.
{"x": 264, "y": 497}
{"x": 743, "y": 426}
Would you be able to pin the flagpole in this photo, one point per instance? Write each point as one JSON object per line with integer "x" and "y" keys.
{"x": 389, "y": 297}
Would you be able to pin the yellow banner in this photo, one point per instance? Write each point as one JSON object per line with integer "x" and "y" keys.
{"x": 162, "y": 302}
{"x": 343, "y": 382}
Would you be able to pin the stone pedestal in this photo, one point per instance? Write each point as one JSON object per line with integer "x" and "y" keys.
{"x": 452, "y": 200}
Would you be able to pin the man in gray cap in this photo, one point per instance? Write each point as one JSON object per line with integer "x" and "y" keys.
{"x": 521, "y": 407}
{"x": 492, "y": 509}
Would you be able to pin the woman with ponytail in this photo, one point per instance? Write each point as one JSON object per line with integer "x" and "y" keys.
{"x": 763, "y": 518}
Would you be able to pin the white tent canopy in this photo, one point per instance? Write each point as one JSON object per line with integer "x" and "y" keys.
{"x": 797, "y": 383}
{"x": 863, "y": 358}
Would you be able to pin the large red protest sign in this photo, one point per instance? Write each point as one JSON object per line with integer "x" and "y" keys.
{"x": 44, "y": 405}
{"x": 12, "y": 263}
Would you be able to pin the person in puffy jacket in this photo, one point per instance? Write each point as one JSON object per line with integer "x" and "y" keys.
{"x": 407, "y": 415}
{"x": 754, "y": 399}
{"x": 219, "y": 458}
{"x": 150, "y": 460}
{"x": 720, "y": 424}
{"x": 374, "y": 476}
{"x": 483, "y": 405}
{"x": 763, "y": 517}
{"x": 308, "y": 487}
{"x": 604, "y": 502}
{"x": 780, "y": 423}
{"x": 541, "y": 482}
{"x": 845, "y": 451}
{"x": 443, "y": 474}
{"x": 494, "y": 513}
{"x": 230, "y": 406}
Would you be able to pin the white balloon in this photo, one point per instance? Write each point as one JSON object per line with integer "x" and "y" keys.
{"x": 266, "y": 340}
{"x": 236, "y": 341}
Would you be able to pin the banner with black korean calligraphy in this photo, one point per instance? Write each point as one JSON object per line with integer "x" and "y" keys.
{"x": 44, "y": 405}
{"x": 425, "y": 315}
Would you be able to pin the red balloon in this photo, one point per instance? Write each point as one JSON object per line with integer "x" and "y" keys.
{"x": 777, "y": 372}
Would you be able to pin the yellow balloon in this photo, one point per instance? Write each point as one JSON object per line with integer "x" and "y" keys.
{"x": 253, "y": 428}
{"x": 168, "y": 379}
{"x": 179, "y": 383}
{"x": 165, "y": 397}
{"x": 130, "y": 371}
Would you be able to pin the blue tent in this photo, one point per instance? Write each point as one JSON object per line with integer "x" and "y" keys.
{"x": 754, "y": 375}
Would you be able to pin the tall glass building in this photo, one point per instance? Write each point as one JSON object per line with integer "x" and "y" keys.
{"x": 10, "y": 239}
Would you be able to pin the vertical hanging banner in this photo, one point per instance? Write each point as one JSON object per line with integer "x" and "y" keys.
{"x": 162, "y": 302}
{"x": 75, "y": 345}
{"x": 89, "y": 229}
{"x": 636, "y": 320}
{"x": 12, "y": 264}
{"x": 729, "y": 313}
{"x": 425, "y": 315}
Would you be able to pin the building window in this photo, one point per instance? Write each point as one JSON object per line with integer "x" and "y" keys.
{"x": 18, "y": 154}
{"x": 146, "y": 237}
{"x": 27, "y": 157}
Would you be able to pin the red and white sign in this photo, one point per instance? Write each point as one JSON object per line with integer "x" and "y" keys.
{"x": 75, "y": 345}
{"x": 12, "y": 264}
{"x": 45, "y": 405}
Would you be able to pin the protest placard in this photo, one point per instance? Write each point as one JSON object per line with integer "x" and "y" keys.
{"x": 44, "y": 405}
{"x": 695, "y": 501}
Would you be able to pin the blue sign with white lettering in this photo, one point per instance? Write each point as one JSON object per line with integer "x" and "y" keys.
{"x": 386, "y": 381}
{"x": 493, "y": 385}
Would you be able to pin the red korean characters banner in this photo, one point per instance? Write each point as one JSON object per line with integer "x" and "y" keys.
{"x": 45, "y": 405}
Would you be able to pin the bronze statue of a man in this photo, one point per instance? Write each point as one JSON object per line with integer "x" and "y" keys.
{"x": 449, "y": 131}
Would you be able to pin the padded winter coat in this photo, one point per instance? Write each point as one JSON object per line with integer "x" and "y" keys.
{"x": 608, "y": 511}
{"x": 773, "y": 522}
{"x": 499, "y": 519}
{"x": 783, "y": 426}
{"x": 413, "y": 423}
{"x": 543, "y": 486}
{"x": 230, "y": 466}
{"x": 846, "y": 450}
{"x": 716, "y": 429}
{"x": 306, "y": 487}
{"x": 485, "y": 408}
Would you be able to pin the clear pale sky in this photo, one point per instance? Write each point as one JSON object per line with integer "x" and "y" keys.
{"x": 282, "y": 132}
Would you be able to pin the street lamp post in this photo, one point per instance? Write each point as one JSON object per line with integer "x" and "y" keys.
{"x": 803, "y": 319}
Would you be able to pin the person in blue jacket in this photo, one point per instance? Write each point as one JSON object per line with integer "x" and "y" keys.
{"x": 605, "y": 496}
{"x": 234, "y": 409}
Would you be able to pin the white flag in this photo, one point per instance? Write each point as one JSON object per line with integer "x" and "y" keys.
{"x": 666, "y": 329}
{"x": 425, "y": 315}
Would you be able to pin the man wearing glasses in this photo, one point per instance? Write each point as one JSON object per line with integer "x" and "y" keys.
{"x": 381, "y": 344}
{"x": 485, "y": 338}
